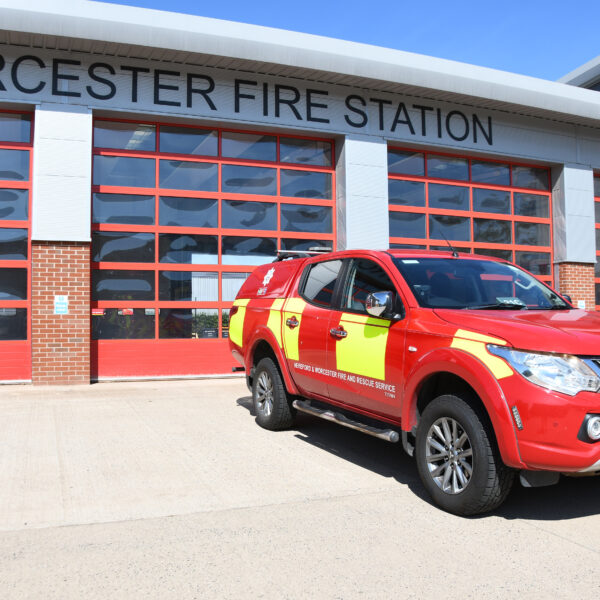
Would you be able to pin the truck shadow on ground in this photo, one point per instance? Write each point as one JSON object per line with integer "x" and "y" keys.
{"x": 571, "y": 498}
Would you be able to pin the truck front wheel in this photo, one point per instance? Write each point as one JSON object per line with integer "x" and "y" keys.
{"x": 458, "y": 460}
{"x": 272, "y": 404}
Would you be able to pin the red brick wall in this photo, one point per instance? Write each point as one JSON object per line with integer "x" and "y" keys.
{"x": 60, "y": 343}
{"x": 577, "y": 280}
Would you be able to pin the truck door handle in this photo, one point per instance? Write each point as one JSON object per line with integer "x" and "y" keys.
{"x": 338, "y": 333}
{"x": 292, "y": 322}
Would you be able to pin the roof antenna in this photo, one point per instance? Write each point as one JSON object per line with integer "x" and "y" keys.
{"x": 454, "y": 252}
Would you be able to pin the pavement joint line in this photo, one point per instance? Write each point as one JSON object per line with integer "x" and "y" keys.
{"x": 232, "y": 509}
{"x": 559, "y": 536}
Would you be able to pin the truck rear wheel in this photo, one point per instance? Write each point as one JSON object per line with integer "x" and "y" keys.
{"x": 458, "y": 460}
{"x": 272, "y": 404}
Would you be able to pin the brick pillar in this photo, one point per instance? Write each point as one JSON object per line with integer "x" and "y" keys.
{"x": 60, "y": 342}
{"x": 577, "y": 280}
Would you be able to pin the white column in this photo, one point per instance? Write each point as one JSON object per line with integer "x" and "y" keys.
{"x": 62, "y": 171}
{"x": 573, "y": 214}
{"x": 362, "y": 194}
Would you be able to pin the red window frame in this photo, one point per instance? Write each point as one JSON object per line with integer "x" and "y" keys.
{"x": 597, "y": 227}
{"x": 15, "y": 355}
{"x": 471, "y": 214}
{"x": 219, "y": 268}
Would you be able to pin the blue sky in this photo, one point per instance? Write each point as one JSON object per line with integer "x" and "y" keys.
{"x": 540, "y": 38}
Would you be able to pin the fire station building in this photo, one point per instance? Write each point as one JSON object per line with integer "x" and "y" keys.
{"x": 149, "y": 160}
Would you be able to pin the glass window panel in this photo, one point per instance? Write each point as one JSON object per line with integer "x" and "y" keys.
{"x": 121, "y": 246}
{"x": 406, "y": 163}
{"x": 123, "y": 209}
{"x": 597, "y": 231}
{"x": 13, "y": 324}
{"x": 408, "y": 246}
{"x": 504, "y": 254}
{"x": 15, "y": 128}
{"x": 190, "y": 286}
{"x": 188, "y": 249}
{"x": 124, "y": 136}
{"x": 537, "y": 263}
{"x": 365, "y": 277}
{"x": 13, "y": 244}
{"x": 236, "y": 214}
{"x": 124, "y": 171}
{"x": 532, "y": 234}
{"x": 305, "y": 184}
{"x": 188, "y": 212}
{"x": 13, "y": 284}
{"x": 492, "y": 231}
{"x": 597, "y": 186}
{"x": 186, "y": 175}
{"x": 530, "y": 177}
{"x": 531, "y": 205}
{"x": 225, "y": 322}
{"x": 305, "y": 152}
{"x": 596, "y": 211}
{"x": 111, "y": 284}
{"x": 446, "y": 248}
{"x": 231, "y": 284}
{"x": 123, "y": 324}
{"x": 597, "y": 269}
{"x": 14, "y": 205}
{"x": 320, "y": 283}
{"x": 489, "y": 172}
{"x": 451, "y": 197}
{"x": 300, "y": 217}
{"x": 448, "y": 167}
{"x": 238, "y": 179}
{"x": 410, "y": 225}
{"x": 247, "y": 250}
{"x": 449, "y": 227}
{"x": 406, "y": 193}
{"x": 250, "y": 146}
{"x": 300, "y": 245}
{"x": 14, "y": 165}
{"x": 187, "y": 140}
{"x": 597, "y": 293}
{"x": 491, "y": 201}
{"x": 188, "y": 323}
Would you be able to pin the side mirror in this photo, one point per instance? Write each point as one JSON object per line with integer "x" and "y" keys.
{"x": 567, "y": 298}
{"x": 379, "y": 303}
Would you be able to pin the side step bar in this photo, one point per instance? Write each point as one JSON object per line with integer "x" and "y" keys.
{"x": 389, "y": 435}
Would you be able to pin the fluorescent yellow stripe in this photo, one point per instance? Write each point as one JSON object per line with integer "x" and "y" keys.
{"x": 291, "y": 337}
{"x": 496, "y": 365}
{"x": 366, "y": 319}
{"x": 241, "y": 302}
{"x": 478, "y": 337}
{"x": 363, "y": 351}
{"x": 236, "y": 325}
{"x": 274, "y": 322}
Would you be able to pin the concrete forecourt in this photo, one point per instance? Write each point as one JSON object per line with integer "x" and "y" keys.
{"x": 170, "y": 490}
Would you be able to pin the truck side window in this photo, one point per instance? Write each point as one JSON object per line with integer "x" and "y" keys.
{"x": 320, "y": 283}
{"x": 364, "y": 277}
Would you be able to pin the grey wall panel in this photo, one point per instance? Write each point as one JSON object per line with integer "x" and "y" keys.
{"x": 62, "y": 173}
{"x": 366, "y": 195}
{"x": 573, "y": 215}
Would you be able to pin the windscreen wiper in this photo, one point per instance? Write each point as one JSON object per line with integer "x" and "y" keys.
{"x": 497, "y": 306}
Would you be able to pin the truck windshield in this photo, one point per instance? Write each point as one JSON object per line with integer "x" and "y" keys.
{"x": 475, "y": 284}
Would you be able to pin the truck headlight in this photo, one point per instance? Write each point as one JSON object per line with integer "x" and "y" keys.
{"x": 560, "y": 372}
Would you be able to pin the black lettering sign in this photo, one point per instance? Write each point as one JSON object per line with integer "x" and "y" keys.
{"x": 14, "y": 75}
{"x": 290, "y": 102}
{"x": 380, "y": 104}
{"x": 423, "y": 110}
{"x": 486, "y": 134}
{"x": 238, "y": 94}
{"x": 158, "y": 73}
{"x": 57, "y": 75}
{"x": 311, "y": 104}
{"x": 2, "y": 64}
{"x": 134, "y": 79}
{"x": 402, "y": 112}
{"x": 210, "y": 86}
{"x": 358, "y": 111}
{"x": 112, "y": 88}
{"x": 464, "y": 126}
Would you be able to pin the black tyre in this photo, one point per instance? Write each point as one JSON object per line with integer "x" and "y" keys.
{"x": 458, "y": 459}
{"x": 272, "y": 404}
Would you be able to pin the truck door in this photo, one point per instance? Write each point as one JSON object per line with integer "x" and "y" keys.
{"x": 366, "y": 352}
{"x": 305, "y": 327}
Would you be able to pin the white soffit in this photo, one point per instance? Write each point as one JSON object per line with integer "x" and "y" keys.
{"x": 115, "y": 30}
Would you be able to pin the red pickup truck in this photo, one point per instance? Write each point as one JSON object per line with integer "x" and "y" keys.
{"x": 479, "y": 369}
